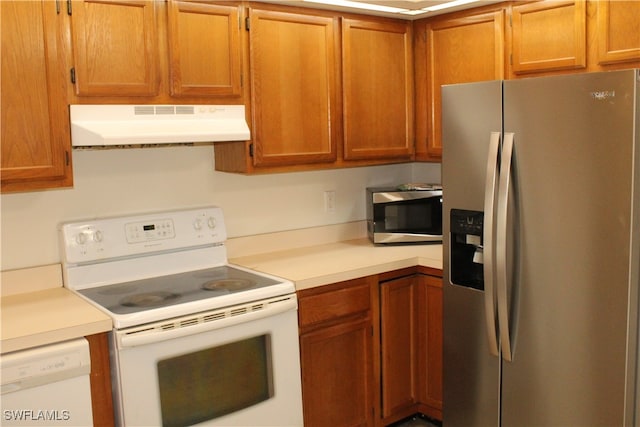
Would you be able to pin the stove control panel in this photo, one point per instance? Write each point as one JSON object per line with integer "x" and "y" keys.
{"x": 150, "y": 230}
{"x": 120, "y": 237}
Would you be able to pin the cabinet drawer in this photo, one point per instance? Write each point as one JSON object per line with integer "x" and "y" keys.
{"x": 344, "y": 299}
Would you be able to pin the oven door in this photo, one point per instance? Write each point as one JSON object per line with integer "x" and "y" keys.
{"x": 237, "y": 366}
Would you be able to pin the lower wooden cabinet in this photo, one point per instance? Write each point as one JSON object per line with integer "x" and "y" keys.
{"x": 371, "y": 349}
{"x": 100, "y": 380}
{"x": 339, "y": 386}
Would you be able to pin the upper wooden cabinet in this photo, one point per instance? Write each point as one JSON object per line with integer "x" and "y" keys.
{"x": 204, "y": 49}
{"x": 377, "y": 76}
{"x": 458, "y": 48}
{"x": 36, "y": 143}
{"x": 548, "y": 35}
{"x": 293, "y": 88}
{"x": 115, "y": 48}
{"x": 618, "y": 31}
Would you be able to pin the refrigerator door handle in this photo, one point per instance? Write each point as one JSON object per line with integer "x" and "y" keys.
{"x": 501, "y": 246}
{"x": 491, "y": 186}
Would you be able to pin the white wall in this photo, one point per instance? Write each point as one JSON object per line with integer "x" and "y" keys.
{"x": 116, "y": 182}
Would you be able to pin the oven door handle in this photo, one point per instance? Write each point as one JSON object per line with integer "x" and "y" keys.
{"x": 204, "y": 322}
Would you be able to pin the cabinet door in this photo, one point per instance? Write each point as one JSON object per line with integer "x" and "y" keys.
{"x": 204, "y": 49}
{"x": 115, "y": 47}
{"x": 337, "y": 375}
{"x": 549, "y": 35}
{"x": 459, "y": 50}
{"x": 378, "y": 89}
{"x": 618, "y": 31}
{"x": 293, "y": 88}
{"x": 430, "y": 296}
{"x": 36, "y": 142}
{"x": 399, "y": 345}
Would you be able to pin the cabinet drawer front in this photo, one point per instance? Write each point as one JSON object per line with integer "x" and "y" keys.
{"x": 352, "y": 299}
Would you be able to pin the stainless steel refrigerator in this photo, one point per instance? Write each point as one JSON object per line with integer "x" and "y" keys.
{"x": 541, "y": 185}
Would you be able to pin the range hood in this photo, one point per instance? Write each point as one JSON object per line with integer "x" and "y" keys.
{"x": 109, "y": 125}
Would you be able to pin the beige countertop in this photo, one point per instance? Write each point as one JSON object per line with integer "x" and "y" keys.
{"x": 44, "y": 312}
{"x": 335, "y": 262}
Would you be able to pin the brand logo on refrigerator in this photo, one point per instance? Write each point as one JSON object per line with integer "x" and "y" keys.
{"x": 603, "y": 95}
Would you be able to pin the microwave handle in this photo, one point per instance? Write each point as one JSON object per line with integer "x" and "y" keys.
{"x": 403, "y": 196}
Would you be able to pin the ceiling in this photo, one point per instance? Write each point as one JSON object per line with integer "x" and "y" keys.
{"x": 413, "y": 9}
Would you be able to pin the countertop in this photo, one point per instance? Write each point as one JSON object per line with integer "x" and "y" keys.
{"x": 36, "y": 310}
{"x": 335, "y": 262}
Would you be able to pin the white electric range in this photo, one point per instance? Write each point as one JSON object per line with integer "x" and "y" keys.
{"x": 196, "y": 340}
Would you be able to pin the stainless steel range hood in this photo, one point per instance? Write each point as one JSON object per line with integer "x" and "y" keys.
{"x": 110, "y": 125}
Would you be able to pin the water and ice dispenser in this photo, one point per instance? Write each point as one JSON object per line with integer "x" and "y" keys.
{"x": 466, "y": 248}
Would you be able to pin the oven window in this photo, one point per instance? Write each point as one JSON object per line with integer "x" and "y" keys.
{"x": 207, "y": 384}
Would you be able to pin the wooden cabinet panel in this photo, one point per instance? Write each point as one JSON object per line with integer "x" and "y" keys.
{"x": 549, "y": 35}
{"x": 326, "y": 306}
{"x": 460, "y": 49}
{"x": 338, "y": 355}
{"x": 337, "y": 375}
{"x": 378, "y": 89}
{"x": 431, "y": 354}
{"x": 36, "y": 142}
{"x": 115, "y": 47}
{"x": 293, "y": 88}
{"x": 618, "y": 34}
{"x": 100, "y": 380}
{"x": 204, "y": 49}
{"x": 399, "y": 336}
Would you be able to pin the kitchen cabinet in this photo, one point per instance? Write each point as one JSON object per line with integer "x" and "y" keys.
{"x": 36, "y": 142}
{"x": 430, "y": 348}
{"x": 616, "y": 27}
{"x": 377, "y": 76}
{"x": 204, "y": 49}
{"x": 456, "y": 48}
{"x": 328, "y": 90}
{"x": 294, "y": 102}
{"x": 115, "y": 47}
{"x": 411, "y": 343}
{"x": 337, "y": 351}
{"x": 548, "y": 35}
{"x": 399, "y": 337}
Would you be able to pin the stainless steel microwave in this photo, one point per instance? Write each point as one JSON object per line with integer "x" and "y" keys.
{"x": 409, "y": 213}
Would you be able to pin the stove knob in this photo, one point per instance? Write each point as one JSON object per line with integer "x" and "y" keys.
{"x": 81, "y": 238}
{"x": 211, "y": 222}
{"x": 197, "y": 224}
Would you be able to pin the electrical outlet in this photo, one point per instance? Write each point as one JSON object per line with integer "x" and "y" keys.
{"x": 330, "y": 201}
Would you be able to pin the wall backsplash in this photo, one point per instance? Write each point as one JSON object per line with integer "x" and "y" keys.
{"x": 117, "y": 182}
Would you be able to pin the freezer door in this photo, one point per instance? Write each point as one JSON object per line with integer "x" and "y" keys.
{"x": 471, "y": 113}
{"x": 573, "y": 302}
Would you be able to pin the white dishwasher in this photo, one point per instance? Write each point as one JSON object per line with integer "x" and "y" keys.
{"x": 47, "y": 386}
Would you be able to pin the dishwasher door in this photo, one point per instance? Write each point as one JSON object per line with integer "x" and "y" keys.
{"x": 47, "y": 386}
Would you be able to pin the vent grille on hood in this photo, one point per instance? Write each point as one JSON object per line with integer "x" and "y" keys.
{"x": 109, "y": 125}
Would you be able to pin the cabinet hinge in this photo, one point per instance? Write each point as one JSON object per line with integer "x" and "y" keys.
{"x": 511, "y": 59}
{"x": 72, "y": 72}
{"x": 69, "y": 10}
{"x": 250, "y": 150}
{"x": 67, "y": 158}
{"x": 57, "y": 7}
{"x": 247, "y": 23}
{"x": 510, "y": 21}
